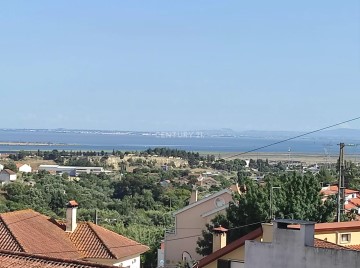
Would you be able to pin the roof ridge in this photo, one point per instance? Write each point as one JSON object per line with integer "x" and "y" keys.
{"x": 101, "y": 240}
{"x": 12, "y": 235}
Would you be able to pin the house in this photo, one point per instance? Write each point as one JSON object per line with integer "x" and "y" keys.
{"x": 352, "y": 197}
{"x": 7, "y": 175}
{"x": 1, "y": 167}
{"x": 30, "y": 232}
{"x": 20, "y": 259}
{"x": 335, "y": 234}
{"x": 24, "y": 168}
{"x": 296, "y": 248}
{"x": 180, "y": 243}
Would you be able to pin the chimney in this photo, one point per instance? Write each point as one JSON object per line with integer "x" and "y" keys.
{"x": 193, "y": 197}
{"x": 71, "y": 208}
{"x": 219, "y": 238}
{"x": 300, "y": 233}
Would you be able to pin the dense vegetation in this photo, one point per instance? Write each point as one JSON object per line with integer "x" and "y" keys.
{"x": 294, "y": 196}
{"x": 133, "y": 200}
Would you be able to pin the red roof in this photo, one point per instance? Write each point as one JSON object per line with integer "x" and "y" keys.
{"x": 355, "y": 201}
{"x": 94, "y": 241}
{"x": 31, "y": 232}
{"x": 19, "y": 259}
{"x": 36, "y": 234}
{"x": 333, "y": 189}
{"x": 318, "y": 243}
{"x": 334, "y": 226}
{"x": 354, "y": 247}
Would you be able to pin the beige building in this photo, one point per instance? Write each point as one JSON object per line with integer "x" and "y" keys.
{"x": 180, "y": 243}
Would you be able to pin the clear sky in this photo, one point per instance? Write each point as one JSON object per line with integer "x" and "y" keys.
{"x": 179, "y": 65}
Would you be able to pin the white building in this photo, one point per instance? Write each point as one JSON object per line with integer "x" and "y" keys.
{"x": 1, "y": 167}
{"x": 71, "y": 170}
{"x": 7, "y": 175}
{"x": 24, "y": 168}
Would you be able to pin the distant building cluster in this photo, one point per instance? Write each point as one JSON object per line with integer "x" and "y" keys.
{"x": 71, "y": 170}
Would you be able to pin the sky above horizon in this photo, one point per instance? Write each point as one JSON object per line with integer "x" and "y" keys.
{"x": 179, "y": 65}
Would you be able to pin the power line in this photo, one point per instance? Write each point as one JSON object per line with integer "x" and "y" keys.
{"x": 292, "y": 138}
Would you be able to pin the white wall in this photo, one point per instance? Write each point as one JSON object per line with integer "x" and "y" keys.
{"x": 131, "y": 263}
{"x": 25, "y": 168}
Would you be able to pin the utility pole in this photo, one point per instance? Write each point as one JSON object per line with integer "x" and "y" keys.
{"x": 341, "y": 186}
{"x": 96, "y": 217}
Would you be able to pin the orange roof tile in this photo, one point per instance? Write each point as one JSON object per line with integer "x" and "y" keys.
{"x": 355, "y": 201}
{"x": 7, "y": 240}
{"x": 36, "y": 234}
{"x": 330, "y": 226}
{"x": 31, "y": 232}
{"x": 318, "y": 243}
{"x": 333, "y": 189}
{"x": 10, "y": 259}
{"x": 354, "y": 247}
{"x": 120, "y": 246}
{"x": 350, "y": 206}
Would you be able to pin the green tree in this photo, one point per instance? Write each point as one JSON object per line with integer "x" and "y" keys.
{"x": 298, "y": 198}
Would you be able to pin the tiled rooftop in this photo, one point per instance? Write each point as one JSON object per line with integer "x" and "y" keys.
{"x": 31, "y": 232}
{"x": 318, "y": 243}
{"x": 36, "y": 234}
{"x": 16, "y": 259}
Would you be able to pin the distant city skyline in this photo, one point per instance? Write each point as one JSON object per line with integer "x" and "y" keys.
{"x": 179, "y": 66}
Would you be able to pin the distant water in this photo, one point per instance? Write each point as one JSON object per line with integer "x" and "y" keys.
{"x": 95, "y": 141}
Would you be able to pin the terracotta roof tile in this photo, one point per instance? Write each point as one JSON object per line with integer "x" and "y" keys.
{"x": 355, "y": 201}
{"x": 86, "y": 241}
{"x": 14, "y": 259}
{"x": 329, "y": 226}
{"x": 318, "y": 243}
{"x": 120, "y": 246}
{"x": 7, "y": 240}
{"x": 354, "y": 247}
{"x": 333, "y": 189}
{"x": 36, "y": 234}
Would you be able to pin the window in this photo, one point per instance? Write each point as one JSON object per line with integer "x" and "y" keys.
{"x": 345, "y": 238}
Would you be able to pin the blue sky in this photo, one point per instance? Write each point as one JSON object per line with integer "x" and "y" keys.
{"x": 179, "y": 65}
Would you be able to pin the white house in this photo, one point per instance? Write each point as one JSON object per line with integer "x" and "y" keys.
{"x": 1, "y": 167}
{"x": 24, "y": 168}
{"x": 7, "y": 175}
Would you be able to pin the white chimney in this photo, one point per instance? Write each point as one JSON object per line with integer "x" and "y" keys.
{"x": 193, "y": 197}
{"x": 71, "y": 208}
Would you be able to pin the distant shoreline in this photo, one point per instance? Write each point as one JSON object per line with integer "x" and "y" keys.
{"x": 20, "y": 143}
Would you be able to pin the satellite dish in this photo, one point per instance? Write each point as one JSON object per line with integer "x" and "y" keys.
{"x": 186, "y": 257}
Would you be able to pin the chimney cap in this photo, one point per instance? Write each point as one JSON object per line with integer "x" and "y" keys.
{"x": 220, "y": 229}
{"x": 292, "y": 222}
{"x": 72, "y": 204}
